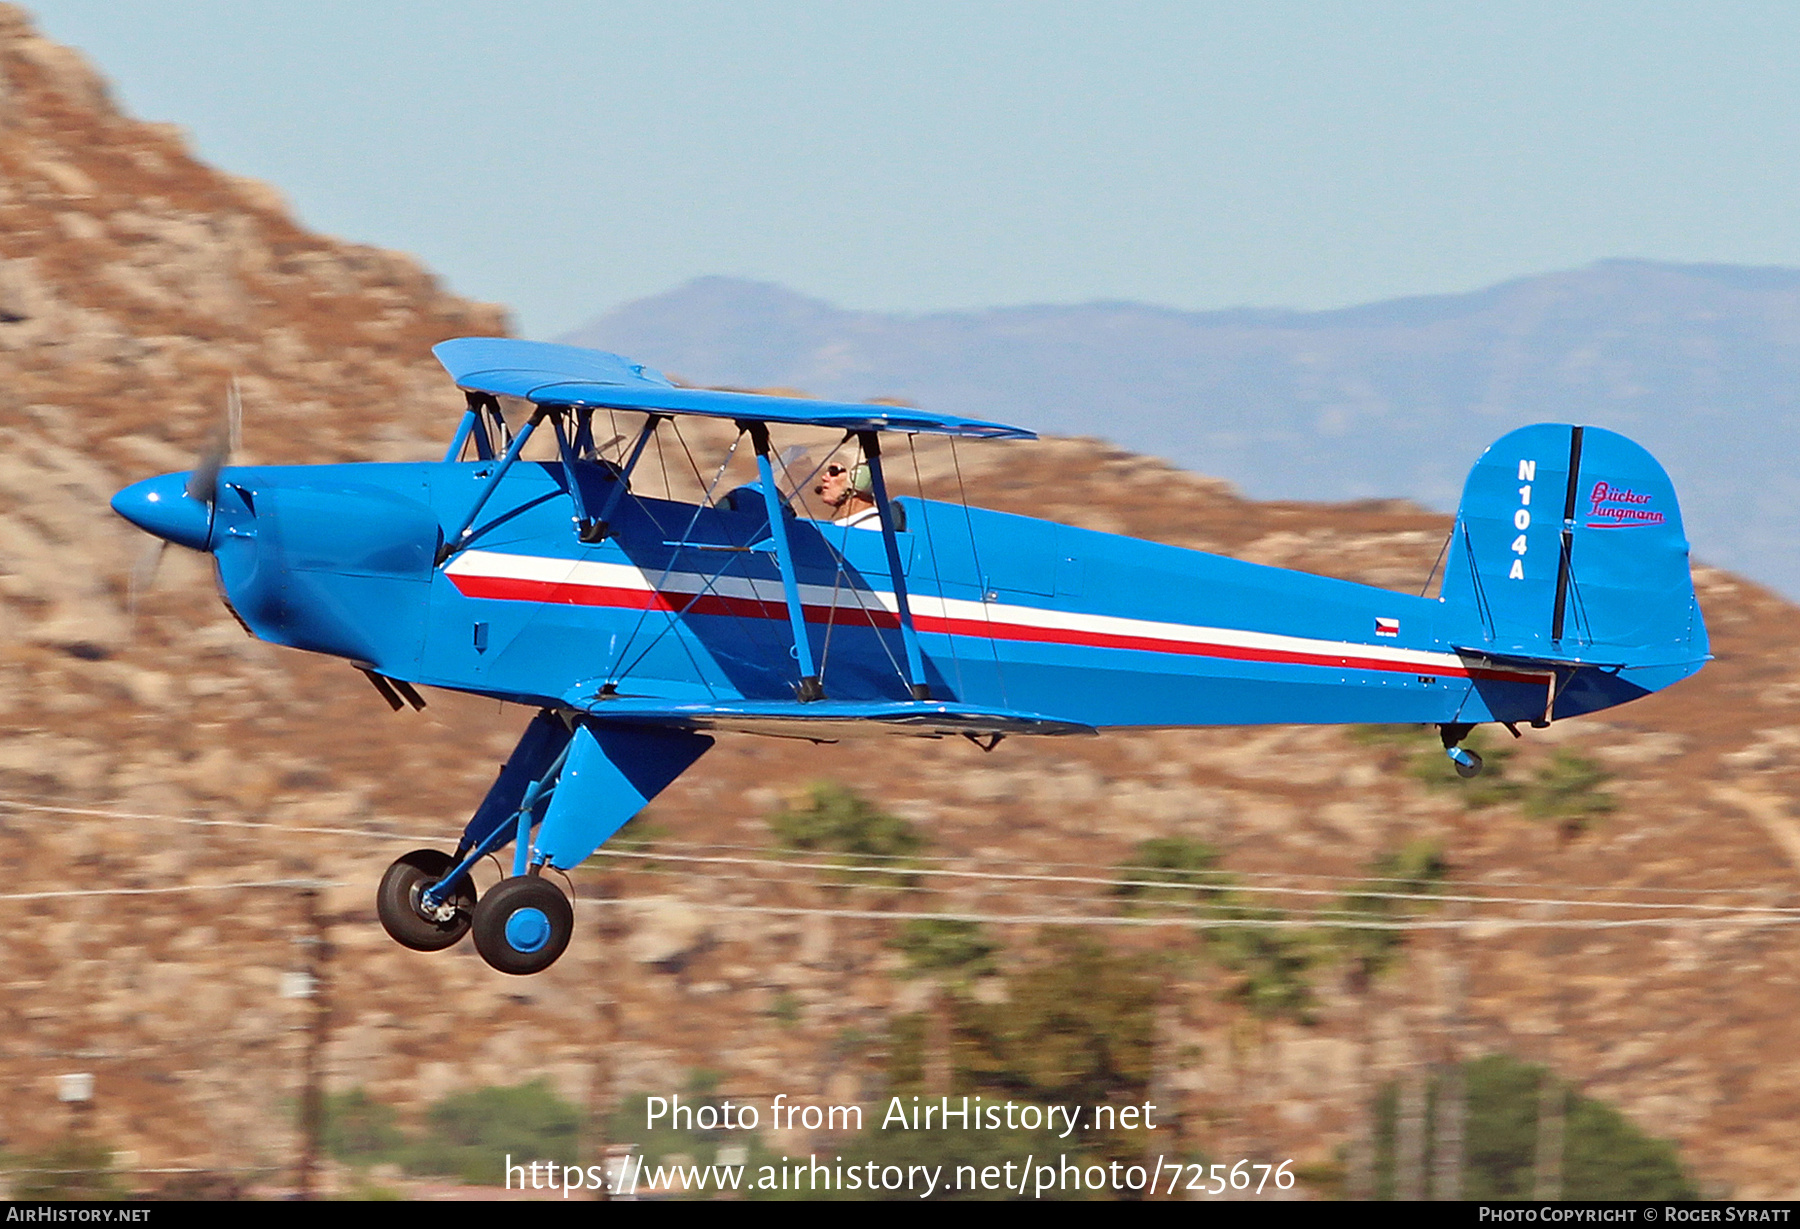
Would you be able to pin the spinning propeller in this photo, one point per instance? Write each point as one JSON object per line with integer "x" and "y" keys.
{"x": 203, "y": 483}
{"x": 185, "y": 516}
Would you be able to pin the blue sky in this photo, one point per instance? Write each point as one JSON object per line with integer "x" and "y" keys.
{"x": 563, "y": 158}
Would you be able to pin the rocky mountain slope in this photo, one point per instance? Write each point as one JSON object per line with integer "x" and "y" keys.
{"x": 149, "y": 764}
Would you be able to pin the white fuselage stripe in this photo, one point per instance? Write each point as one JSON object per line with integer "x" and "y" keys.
{"x": 595, "y": 574}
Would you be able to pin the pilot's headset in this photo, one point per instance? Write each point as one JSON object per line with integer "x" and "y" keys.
{"x": 862, "y": 481}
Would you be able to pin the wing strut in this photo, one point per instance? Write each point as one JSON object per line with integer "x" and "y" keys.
{"x": 915, "y": 661}
{"x": 456, "y": 541}
{"x": 603, "y": 525}
{"x": 483, "y": 410}
{"x": 584, "y": 524}
{"x": 810, "y": 688}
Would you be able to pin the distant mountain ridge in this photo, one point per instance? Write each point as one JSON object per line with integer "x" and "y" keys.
{"x": 1701, "y": 363}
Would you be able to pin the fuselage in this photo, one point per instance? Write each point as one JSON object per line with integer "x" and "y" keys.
{"x": 639, "y": 626}
{"x": 684, "y": 603}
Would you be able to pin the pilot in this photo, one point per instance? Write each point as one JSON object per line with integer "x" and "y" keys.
{"x": 849, "y": 491}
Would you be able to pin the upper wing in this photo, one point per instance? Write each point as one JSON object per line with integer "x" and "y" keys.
{"x": 549, "y": 374}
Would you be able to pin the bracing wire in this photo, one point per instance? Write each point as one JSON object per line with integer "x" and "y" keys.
{"x": 936, "y": 572}
{"x": 1442, "y": 549}
{"x": 708, "y": 583}
{"x": 981, "y": 579}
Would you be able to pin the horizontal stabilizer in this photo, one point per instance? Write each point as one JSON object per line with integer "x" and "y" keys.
{"x": 1516, "y": 656}
{"x": 828, "y": 719}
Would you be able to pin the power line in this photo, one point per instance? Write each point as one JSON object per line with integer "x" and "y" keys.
{"x": 1490, "y": 925}
{"x": 1350, "y": 918}
{"x": 911, "y": 863}
{"x": 187, "y": 887}
{"x": 895, "y": 865}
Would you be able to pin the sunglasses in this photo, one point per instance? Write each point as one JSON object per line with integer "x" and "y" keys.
{"x": 833, "y": 471}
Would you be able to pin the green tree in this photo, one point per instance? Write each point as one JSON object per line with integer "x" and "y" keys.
{"x": 1077, "y": 1026}
{"x": 1416, "y": 869}
{"x": 470, "y": 1134}
{"x": 1567, "y": 792}
{"x": 1606, "y": 1156}
{"x": 831, "y": 818}
{"x": 953, "y": 951}
{"x": 1188, "y": 867}
{"x": 1272, "y": 964}
{"x": 76, "y": 1167}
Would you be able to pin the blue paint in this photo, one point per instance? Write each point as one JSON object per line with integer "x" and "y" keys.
{"x": 161, "y": 506}
{"x": 612, "y": 773}
{"x": 1567, "y": 591}
{"x": 527, "y": 930}
{"x": 777, "y": 518}
{"x": 547, "y": 374}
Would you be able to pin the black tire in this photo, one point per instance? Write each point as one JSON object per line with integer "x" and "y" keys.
{"x": 397, "y": 902}
{"x": 1472, "y": 768}
{"x": 523, "y": 924}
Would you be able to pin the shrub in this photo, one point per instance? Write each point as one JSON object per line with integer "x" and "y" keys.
{"x": 469, "y": 1134}
{"x": 1567, "y": 792}
{"x": 1188, "y": 867}
{"x": 76, "y": 1167}
{"x": 1432, "y": 768}
{"x": 941, "y": 946}
{"x": 830, "y": 818}
{"x": 361, "y": 1130}
{"x": 1413, "y": 870}
{"x": 1605, "y": 1156}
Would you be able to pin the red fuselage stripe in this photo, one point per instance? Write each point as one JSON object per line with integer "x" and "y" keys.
{"x": 503, "y": 588}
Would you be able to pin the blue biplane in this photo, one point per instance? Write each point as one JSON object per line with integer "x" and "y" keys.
{"x": 640, "y": 626}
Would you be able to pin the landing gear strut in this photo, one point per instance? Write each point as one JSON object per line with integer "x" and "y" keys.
{"x": 568, "y": 786}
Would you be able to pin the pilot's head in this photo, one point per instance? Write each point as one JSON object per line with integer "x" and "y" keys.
{"x": 841, "y": 485}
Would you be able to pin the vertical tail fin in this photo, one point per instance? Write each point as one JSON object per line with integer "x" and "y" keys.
{"x": 1568, "y": 547}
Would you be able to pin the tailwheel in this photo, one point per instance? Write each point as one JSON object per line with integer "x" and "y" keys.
{"x": 523, "y": 924}
{"x": 403, "y": 912}
{"x": 1468, "y": 764}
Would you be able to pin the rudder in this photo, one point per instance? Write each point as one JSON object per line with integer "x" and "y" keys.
{"x": 1569, "y": 547}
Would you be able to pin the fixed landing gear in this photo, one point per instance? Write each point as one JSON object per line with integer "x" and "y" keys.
{"x": 523, "y": 924}
{"x": 403, "y": 912}
{"x": 1467, "y": 762}
{"x": 568, "y": 786}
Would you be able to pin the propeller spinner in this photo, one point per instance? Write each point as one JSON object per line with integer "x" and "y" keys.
{"x": 178, "y": 508}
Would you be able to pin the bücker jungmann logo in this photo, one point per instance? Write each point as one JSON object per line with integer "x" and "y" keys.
{"x": 1611, "y": 507}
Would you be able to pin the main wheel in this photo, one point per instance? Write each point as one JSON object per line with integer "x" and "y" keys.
{"x": 523, "y": 924}
{"x": 403, "y": 916}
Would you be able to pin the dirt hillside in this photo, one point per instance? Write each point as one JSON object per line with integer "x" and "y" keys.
{"x": 171, "y": 755}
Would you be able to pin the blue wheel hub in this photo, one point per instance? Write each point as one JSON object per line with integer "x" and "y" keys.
{"x": 527, "y": 930}
{"x": 522, "y": 925}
